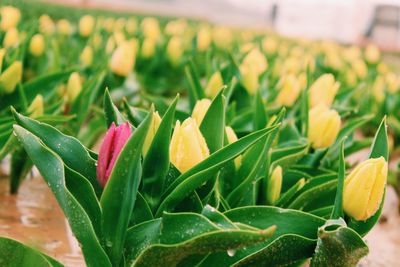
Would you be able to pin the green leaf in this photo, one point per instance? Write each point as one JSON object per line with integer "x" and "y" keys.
{"x": 337, "y": 211}
{"x": 119, "y": 195}
{"x": 260, "y": 116}
{"x": 141, "y": 211}
{"x": 111, "y": 112}
{"x": 196, "y": 91}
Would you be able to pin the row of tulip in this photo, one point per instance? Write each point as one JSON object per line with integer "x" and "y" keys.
{"x": 246, "y": 167}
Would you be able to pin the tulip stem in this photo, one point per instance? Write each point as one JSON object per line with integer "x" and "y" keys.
{"x": 337, "y": 211}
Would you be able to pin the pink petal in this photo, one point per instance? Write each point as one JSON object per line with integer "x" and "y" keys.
{"x": 105, "y": 154}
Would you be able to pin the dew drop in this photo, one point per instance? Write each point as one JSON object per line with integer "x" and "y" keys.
{"x": 231, "y": 252}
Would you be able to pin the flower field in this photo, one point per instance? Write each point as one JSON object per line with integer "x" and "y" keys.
{"x": 175, "y": 142}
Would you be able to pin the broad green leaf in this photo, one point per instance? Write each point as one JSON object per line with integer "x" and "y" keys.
{"x": 260, "y": 116}
{"x": 287, "y": 156}
{"x": 337, "y": 211}
{"x": 196, "y": 91}
{"x": 111, "y": 112}
{"x": 141, "y": 211}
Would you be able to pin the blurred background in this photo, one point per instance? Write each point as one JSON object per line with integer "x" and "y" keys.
{"x": 346, "y": 21}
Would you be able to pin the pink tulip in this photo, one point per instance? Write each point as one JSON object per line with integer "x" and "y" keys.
{"x": 113, "y": 142}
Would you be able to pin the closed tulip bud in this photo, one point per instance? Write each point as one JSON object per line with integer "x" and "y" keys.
{"x": 10, "y": 17}
{"x": 87, "y": 56}
{"x": 323, "y": 126}
{"x": 175, "y": 50}
{"x": 86, "y": 25}
{"x": 155, "y": 123}
{"x": 360, "y": 68}
{"x": 323, "y": 90}
{"x": 36, "y": 107}
{"x": 270, "y": 45}
{"x": 203, "y": 38}
{"x": 382, "y": 68}
{"x": 222, "y": 37}
{"x": 64, "y": 27}
{"x": 249, "y": 78}
{"x": 334, "y": 60}
{"x": 11, "y": 38}
{"x": 289, "y": 90}
{"x": 274, "y": 185}
{"x": 364, "y": 189}
{"x": 110, "y": 45}
{"x": 372, "y": 54}
{"x": 188, "y": 146}
{"x": 351, "y": 77}
{"x": 232, "y": 138}
{"x": 214, "y": 85}
{"x": 114, "y": 141}
{"x": 256, "y": 60}
{"x": 200, "y": 110}
{"x": 74, "y": 87}
{"x": 37, "y": 45}
{"x": 131, "y": 26}
{"x": 119, "y": 24}
{"x": 378, "y": 89}
{"x": 108, "y": 24}
{"x": 119, "y": 37}
{"x": 148, "y": 48}
{"x": 123, "y": 59}
{"x": 393, "y": 82}
{"x": 151, "y": 28}
{"x": 2, "y": 54}
{"x": 46, "y": 24}
{"x": 11, "y": 77}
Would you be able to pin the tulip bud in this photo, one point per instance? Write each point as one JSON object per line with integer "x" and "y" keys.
{"x": 148, "y": 48}
{"x": 175, "y": 50}
{"x": 372, "y": 54}
{"x": 382, "y": 68}
{"x": 274, "y": 185}
{"x": 323, "y": 126}
{"x": 200, "y": 110}
{"x": 150, "y": 28}
{"x": 11, "y": 38}
{"x": 87, "y": 56}
{"x": 289, "y": 89}
{"x": 203, "y": 38}
{"x": 351, "y": 77}
{"x": 155, "y": 123}
{"x": 270, "y": 45}
{"x": 131, "y": 26}
{"x": 108, "y": 24}
{"x": 360, "y": 68}
{"x": 119, "y": 37}
{"x": 232, "y": 138}
{"x": 36, "y": 107}
{"x": 46, "y": 24}
{"x": 86, "y": 25}
{"x": 74, "y": 87}
{"x": 11, "y": 77}
{"x": 119, "y": 24}
{"x": 364, "y": 188}
{"x": 214, "y": 85}
{"x": 2, "y": 54}
{"x": 249, "y": 78}
{"x": 64, "y": 27}
{"x": 378, "y": 89}
{"x": 188, "y": 146}
{"x": 113, "y": 143}
{"x": 110, "y": 45}
{"x": 393, "y": 82}
{"x": 323, "y": 90}
{"x": 10, "y": 17}
{"x": 36, "y": 46}
{"x": 123, "y": 59}
{"x": 222, "y": 37}
{"x": 256, "y": 60}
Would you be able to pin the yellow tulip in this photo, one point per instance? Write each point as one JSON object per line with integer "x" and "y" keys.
{"x": 119, "y": 25}
{"x": 334, "y": 60}
{"x": 323, "y": 126}
{"x": 289, "y": 89}
{"x": 87, "y": 56}
{"x": 257, "y": 60}
{"x": 393, "y": 82}
{"x": 36, "y": 107}
{"x": 232, "y": 138}
{"x": 123, "y": 59}
{"x": 378, "y": 89}
{"x": 46, "y": 24}
{"x": 148, "y": 48}
{"x": 176, "y": 27}
{"x": 323, "y": 90}
{"x": 214, "y": 85}
{"x": 2, "y": 54}
{"x": 131, "y": 26}
{"x": 86, "y": 25}
{"x": 64, "y": 27}
{"x": 351, "y": 77}
{"x": 188, "y": 146}
{"x": 74, "y": 87}
{"x": 382, "y": 68}
{"x": 249, "y": 78}
{"x": 372, "y": 54}
{"x": 360, "y": 68}
{"x": 200, "y": 110}
{"x": 175, "y": 50}
{"x": 364, "y": 188}
{"x": 10, "y": 17}
{"x": 119, "y": 37}
{"x": 222, "y": 37}
{"x": 150, "y": 28}
{"x": 110, "y": 45}
{"x": 11, "y": 77}
{"x": 108, "y": 24}
{"x": 37, "y": 45}
{"x": 203, "y": 38}
{"x": 274, "y": 185}
{"x": 11, "y": 38}
{"x": 270, "y": 45}
{"x": 155, "y": 123}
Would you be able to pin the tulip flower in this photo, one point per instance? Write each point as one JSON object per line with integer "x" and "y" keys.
{"x": 214, "y": 85}
{"x": 86, "y": 25}
{"x": 36, "y": 107}
{"x": 274, "y": 185}
{"x": 131, "y": 26}
{"x": 324, "y": 126}
{"x": 113, "y": 143}
{"x": 46, "y": 24}
{"x": 289, "y": 89}
{"x": 2, "y": 54}
{"x": 360, "y": 68}
{"x": 270, "y": 45}
{"x": 203, "y": 38}
{"x": 87, "y": 56}
{"x": 232, "y": 138}
{"x": 372, "y": 54}
{"x": 11, "y": 77}
{"x": 364, "y": 188}
{"x": 150, "y": 28}
{"x": 11, "y": 38}
{"x": 188, "y": 146}
{"x": 257, "y": 60}
{"x": 378, "y": 88}
{"x": 37, "y": 45}
{"x": 64, "y": 27}
{"x": 10, "y": 17}
{"x": 200, "y": 110}
{"x": 123, "y": 59}
{"x": 249, "y": 78}
{"x": 74, "y": 87}
{"x": 222, "y": 37}
{"x": 392, "y": 82}
{"x": 148, "y": 48}
{"x": 175, "y": 50}
{"x": 155, "y": 123}
{"x": 323, "y": 90}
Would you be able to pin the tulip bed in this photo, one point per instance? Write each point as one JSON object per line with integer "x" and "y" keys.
{"x": 217, "y": 146}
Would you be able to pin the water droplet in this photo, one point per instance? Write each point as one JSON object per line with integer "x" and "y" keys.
{"x": 231, "y": 252}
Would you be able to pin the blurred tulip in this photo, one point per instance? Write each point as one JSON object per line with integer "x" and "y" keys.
{"x": 113, "y": 142}
{"x": 11, "y": 77}
{"x": 232, "y": 138}
{"x": 256, "y": 60}
{"x": 200, "y": 110}
{"x": 119, "y": 37}
{"x": 46, "y": 24}
{"x": 86, "y": 25}
{"x": 150, "y": 28}
{"x": 64, "y": 27}
{"x": 214, "y": 85}
{"x": 36, "y": 107}
{"x": 110, "y": 45}
{"x": 131, "y": 26}
{"x": 87, "y": 56}
{"x": 249, "y": 78}
{"x": 222, "y": 37}
{"x": 289, "y": 89}
{"x": 378, "y": 89}
{"x": 188, "y": 146}
{"x": 37, "y": 45}
{"x": 203, "y": 38}
{"x": 155, "y": 123}
{"x": 2, "y": 55}
{"x": 11, "y": 38}
{"x": 360, "y": 68}
{"x": 123, "y": 59}
{"x": 175, "y": 50}
{"x": 274, "y": 185}
{"x": 74, "y": 87}
{"x": 323, "y": 126}
{"x": 270, "y": 45}
{"x": 10, "y": 17}
{"x": 393, "y": 82}
{"x": 148, "y": 48}
{"x": 372, "y": 54}
{"x": 364, "y": 189}
{"x": 323, "y": 90}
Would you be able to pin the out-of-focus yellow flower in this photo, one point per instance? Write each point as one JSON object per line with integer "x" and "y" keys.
{"x": 176, "y": 27}
{"x": 200, "y": 110}
{"x": 289, "y": 88}
{"x": 11, "y": 77}
{"x": 323, "y": 90}
{"x": 351, "y": 77}
{"x": 364, "y": 189}
{"x": 150, "y": 28}
{"x": 64, "y": 27}
{"x": 324, "y": 126}
{"x": 334, "y": 60}
{"x": 222, "y": 37}
{"x": 119, "y": 37}
{"x": 232, "y": 138}
{"x": 123, "y": 59}
{"x": 175, "y": 50}
{"x": 291, "y": 65}
{"x": 352, "y": 53}
{"x": 256, "y": 60}
{"x": 2, "y": 54}
{"x": 11, "y": 38}
{"x": 74, "y": 87}
{"x": 36, "y": 107}
{"x": 378, "y": 89}
{"x": 110, "y": 45}
{"x": 214, "y": 85}
{"x": 274, "y": 185}
{"x": 37, "y": 45}
{"x": 155, "y": 123}
{"x": 46, "y": 24}
{"x": 270, "y": 45}
{"x": 382, "y": 68}
{"x": 203, "y": 38}
{"x": 96, "y": 40}
{"x": 10, "y": 17}
{"x": 392, "y": 82}
{"x": 249, "y": 78}
{"x": 188, "y": 146}
{"x": 148, "y": 48}
{"x": 372, "y": 54}
{"x": 360, "y": 68}
{"x": 87, "y": 56}
{"x": 108, "y": 24}
{"x": 119, "y": 24}
{"x": 86, "y": 25}
{"x": 131, "y": 26}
